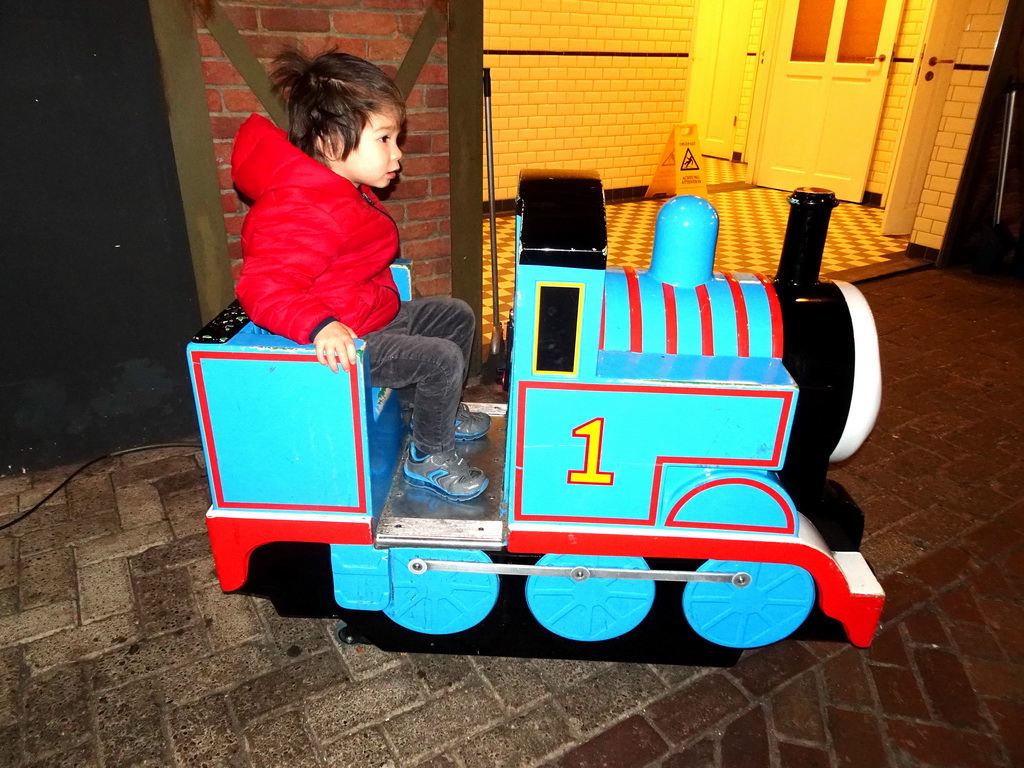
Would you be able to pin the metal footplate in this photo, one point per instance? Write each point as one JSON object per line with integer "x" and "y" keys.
{"x": 577, "y": 573}
{"x": 457, "y": 534}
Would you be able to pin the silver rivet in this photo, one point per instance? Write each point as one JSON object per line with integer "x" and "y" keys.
{"x": 741, "y": 579}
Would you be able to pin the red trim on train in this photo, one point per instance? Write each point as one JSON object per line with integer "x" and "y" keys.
{"x": 233, "y": 539}
{"x": 776, "y": 314}
{"x": 671, "y": 321}
{"x": 740, "y": 307}
{"x": 707, "y": 323}
{"x": 636, "y": 315}
{"x": 673, "y": 520}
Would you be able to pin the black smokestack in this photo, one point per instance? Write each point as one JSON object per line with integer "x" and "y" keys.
{"x": 802, "y": 249}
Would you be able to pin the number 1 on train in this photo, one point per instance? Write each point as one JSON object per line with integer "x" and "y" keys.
{"x": 591, "y": 474}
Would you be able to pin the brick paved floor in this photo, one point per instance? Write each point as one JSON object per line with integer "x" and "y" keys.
{"x": 118, "y": 648}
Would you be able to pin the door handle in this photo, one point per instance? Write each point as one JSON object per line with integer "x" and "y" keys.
{"x": 879, "y": 57}
{"x": 936, "y": 60}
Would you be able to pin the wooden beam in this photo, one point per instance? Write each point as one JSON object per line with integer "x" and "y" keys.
{"x": 245, "y": 61}
{"x": 431, "y": 28}
{"x": 465, "y": 129}
{"x": 189, "y": 118}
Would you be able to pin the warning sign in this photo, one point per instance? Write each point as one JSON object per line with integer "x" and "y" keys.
{"x": 679, "y": 170}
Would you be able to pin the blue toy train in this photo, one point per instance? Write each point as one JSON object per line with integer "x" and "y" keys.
{"x": 663, "y": 456}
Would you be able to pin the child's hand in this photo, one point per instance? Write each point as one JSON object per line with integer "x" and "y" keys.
{"x": 335, "y": 342}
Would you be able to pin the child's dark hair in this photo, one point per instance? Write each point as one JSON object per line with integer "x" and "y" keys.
{"x": 331, "y": 97}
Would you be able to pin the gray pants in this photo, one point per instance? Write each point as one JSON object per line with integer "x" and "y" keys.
{"x": 427, "y": 344}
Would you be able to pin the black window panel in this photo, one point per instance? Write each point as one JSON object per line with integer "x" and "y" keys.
{"x": 557, "y": 323}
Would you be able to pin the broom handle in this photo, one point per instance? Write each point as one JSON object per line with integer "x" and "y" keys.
{"x": 490, "y": 196}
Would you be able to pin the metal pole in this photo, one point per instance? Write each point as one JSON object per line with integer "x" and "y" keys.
{"x": 496, "y": 336}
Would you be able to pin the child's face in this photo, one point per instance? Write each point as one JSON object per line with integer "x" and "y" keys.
{"x": 374, "y": 162}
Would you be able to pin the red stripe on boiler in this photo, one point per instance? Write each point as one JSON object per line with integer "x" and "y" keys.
{"x": 775, "y": 310}
{"x": 636, "y": 317}
{"x": 707, "y": 323}
{"x": 600, "y": 337}
{"x": 671, "y": 324}
{"x": 742, "y": 323}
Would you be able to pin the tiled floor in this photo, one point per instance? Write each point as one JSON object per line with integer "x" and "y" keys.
{"x": 752, "y": 223}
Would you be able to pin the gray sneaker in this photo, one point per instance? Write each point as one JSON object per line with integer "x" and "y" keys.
{"x": 470, "y": 425}
{"x": 446, "y": 474}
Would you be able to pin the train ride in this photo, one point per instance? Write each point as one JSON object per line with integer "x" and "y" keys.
{"x": 659, "y": 486}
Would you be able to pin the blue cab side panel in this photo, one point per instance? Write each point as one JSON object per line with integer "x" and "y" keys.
{"x": 280, "y": 430}
{"x": 529, "y": 279}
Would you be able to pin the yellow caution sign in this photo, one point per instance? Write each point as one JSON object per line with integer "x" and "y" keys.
{"x": 680, "y": 172}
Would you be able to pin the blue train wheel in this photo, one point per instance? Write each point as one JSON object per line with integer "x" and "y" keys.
{"x": 771, "y": 607}
{"x": 595, "y": 609}
{"x": 440, "y": 602}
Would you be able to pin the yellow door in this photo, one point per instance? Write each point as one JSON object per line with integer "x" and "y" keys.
{"x": 715, "y": 79}
{"x": 825, "y": 95}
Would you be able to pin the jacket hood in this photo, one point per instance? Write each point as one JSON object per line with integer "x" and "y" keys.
{"x": 263, "y": 160}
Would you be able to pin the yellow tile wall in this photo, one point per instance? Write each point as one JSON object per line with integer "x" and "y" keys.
{"x": 590, "y": 110}
{"x": 977, "y": 43}
{"x": 897, "y": 94}
{"x": 754, "y": 46}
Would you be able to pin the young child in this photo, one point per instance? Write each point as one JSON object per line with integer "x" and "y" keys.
{"x": 317, "y": 246}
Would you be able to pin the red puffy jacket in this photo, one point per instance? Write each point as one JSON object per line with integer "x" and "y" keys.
{"x": 314, "y": 245}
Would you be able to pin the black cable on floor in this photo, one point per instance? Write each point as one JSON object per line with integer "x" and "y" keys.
{"x": 84, "y": 467}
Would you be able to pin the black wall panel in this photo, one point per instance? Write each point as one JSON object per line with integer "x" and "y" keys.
{"x": 97, "y": 296}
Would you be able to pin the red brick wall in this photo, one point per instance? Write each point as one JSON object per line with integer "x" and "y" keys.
{"x": 380, "y": 31}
